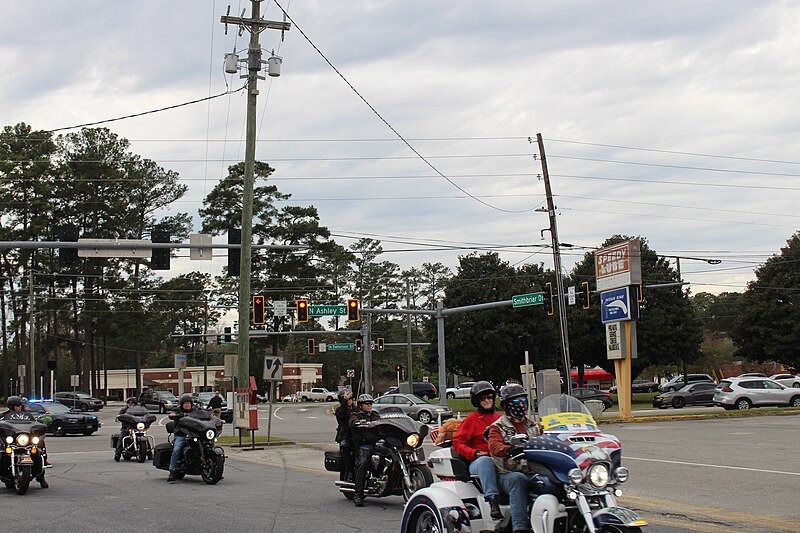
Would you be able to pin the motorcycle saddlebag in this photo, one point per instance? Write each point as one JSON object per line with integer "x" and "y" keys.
{"x": 333, "y": 461}
{"x": 161, "y": 455}
{"x": 114, "y": 441}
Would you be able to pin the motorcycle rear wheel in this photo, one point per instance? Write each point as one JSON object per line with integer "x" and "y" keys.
{"x": 211, "y": 470}
{"x": 23, "y": 480}
{"x": 424, "y": 521}
{"x": 421, "y": 477}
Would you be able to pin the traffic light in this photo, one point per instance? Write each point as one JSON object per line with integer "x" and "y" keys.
{"x": 234, "y": 254}
{"x": 302, "y": 310}
{"x": 640, "y": 293}
{"x": 583, "y": 295}
{"x": 353, "y": 310}
{"x": 311, "y": 347}
{"x": 258, "y": 309}
{"x": 159, "y": 257}
{"x": 68, "y": 257}
{"x": 548, "y": 299}
{"x": 381, "y": 345}
{"x": 227, "y": 337}
{"x": 359, "y": 345}
{"x": 398, "y": 368}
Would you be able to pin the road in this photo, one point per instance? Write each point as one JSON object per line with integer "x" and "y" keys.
{"x": 689, "y": 476}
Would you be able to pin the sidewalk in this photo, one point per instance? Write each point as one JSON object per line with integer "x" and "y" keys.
{"x": 305, "y": 457}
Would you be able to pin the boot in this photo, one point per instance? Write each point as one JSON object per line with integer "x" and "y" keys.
{"x": 358, "y": 499}
{"x": 43, "y": 482}
{"x": 117, "y": 454}
{"x": 171, "y": 476}
{"x": 494, "y": 509}
{"x": 526, "y": 530}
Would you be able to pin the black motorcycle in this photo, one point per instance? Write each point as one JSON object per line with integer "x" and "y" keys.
{"x": 21, "y": 460}
{"x": 201, "y": 455}
{"x": 397, "y": 466}
{"x": 136, "y": 441}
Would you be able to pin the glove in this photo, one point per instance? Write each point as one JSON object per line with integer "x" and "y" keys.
{"x": 515, "y": 450}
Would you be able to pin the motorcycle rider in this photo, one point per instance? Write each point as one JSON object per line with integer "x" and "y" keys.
{"x": 185, "y": 406}
{"x": 130, "y": 402}
{"x": 344, "y": 435}
{"x": 359, "y": 420}
{"x": 513, "y": 474}
{"x": 16, "y": 412}
{"x": 470, "y": 442}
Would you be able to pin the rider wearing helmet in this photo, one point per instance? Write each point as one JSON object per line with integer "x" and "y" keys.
{"x": 512, "y": 474}
{"x": 17, "y": 411}
{"x": 358, "y": 423}
{"x": 470, "y": 442}
{"x": 344, "y": 435}
{"x": 185, "y": 406}
{"x": 130, "y": 402}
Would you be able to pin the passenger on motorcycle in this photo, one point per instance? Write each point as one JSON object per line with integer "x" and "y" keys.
{"x": 470, "y": 443}
{"x": 186, "y": 406}
{"x": 130, "y": 402}
{"x": 513, "y": 475}
{"x": 358, "y": 423}
{"x": 17, "y": 412}
{"x": 344, "y": 435}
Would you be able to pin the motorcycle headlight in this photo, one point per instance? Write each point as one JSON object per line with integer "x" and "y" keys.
{"x": 140, "y": 426}
{"x": 621, "y": 474}
{"x": 575, "y": 475}
{"x": 210, "y": 434}
{"x": 412, "y": 440}
{"x": 23, "y": 439}
{"x": 35, "y": 440}
{"x": 598, "y": 475}
{"x": 9, "y": 440}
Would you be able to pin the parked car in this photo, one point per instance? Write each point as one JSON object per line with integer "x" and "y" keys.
{"x": 201, "y": 402}
{"x": 638, "y": 385}
{"x": 459, "y": 391}
{"x": 160, "y": 400}
{"x": 678, "y": 382}
{"x": 752, "y": 375}
{"x": 747, "y": 392}
{"x": 589, "y": 393}
{"x": 696, "y": 394}
{"x": 317, "y": 394}
{"x": 787, "y": 380}
{"x": 423, "y": 389}
{"x": 79, "y": 401}
{"x": 413, "y": 406}
{"x": 65, "y": 420}
{"x": 290, "y": 398}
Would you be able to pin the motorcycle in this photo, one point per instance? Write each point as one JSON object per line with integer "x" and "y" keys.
{"x": 575, "y": 479}
{"x": 201, "y": 455}
{"x": 22, "y": 459}
{"x": 397, "y": 465}
{"x": 136, "y": 441}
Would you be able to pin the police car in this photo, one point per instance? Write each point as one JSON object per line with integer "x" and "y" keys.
{"x": 64, "y": 420}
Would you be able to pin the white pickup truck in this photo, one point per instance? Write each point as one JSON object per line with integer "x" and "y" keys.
{"x": 317, "y": 394}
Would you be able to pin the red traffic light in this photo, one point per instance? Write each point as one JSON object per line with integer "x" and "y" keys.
{"x": 259, "y": 310}
{"x": 398, "y": 368}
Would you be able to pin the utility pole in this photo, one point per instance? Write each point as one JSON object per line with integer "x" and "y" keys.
{"x": 255, "y": 25}
{"x": 562, "y": 311}
{"x": 32, "y": 323}
{"x": 409, "y": 369}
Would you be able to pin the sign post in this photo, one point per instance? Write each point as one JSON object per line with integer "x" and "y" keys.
{"x": 273, "y": 372}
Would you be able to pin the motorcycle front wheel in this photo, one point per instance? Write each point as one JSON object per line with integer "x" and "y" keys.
{"x": 421, "y": 477}
{"x": 211, "y": 470}
{"x": 23, "y": 480}
{"x": 142, "y": 452}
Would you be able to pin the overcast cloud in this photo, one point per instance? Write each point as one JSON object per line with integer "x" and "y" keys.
{"x": 467, "y": 83}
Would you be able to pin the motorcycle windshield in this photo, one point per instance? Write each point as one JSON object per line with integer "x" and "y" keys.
{"x": 198, "y": 422}
{"x": 562, "y": 413}
{"x": 399, "y": 426}
{"x": 12, "y": 428}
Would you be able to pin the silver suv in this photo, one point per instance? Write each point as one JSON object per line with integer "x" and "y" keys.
{"x": 747, "y": 392}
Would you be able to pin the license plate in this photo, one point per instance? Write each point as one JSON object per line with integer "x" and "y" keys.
{"x": 26, "y": 460}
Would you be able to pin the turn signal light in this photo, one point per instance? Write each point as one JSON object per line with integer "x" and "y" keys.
{"x": 34, "y": 450}
{"x": 8, "y": 451}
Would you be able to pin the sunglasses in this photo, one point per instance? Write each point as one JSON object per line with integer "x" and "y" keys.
{"x": 487, "y": 397}
{"x": 519, "y": 401}
{"x": 366, "y": 403}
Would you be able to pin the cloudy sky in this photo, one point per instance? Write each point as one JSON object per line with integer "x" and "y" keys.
{"x": 674, "y": 121}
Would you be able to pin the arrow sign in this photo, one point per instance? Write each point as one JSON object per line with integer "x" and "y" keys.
{"x": 273, "y": 368}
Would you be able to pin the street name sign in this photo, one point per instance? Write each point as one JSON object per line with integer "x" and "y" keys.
{"x": 525, "y": 300}
{"x": 341, "y": 346}
{"x": 328, "y": 310}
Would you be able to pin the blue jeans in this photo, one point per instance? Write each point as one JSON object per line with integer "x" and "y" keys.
{"x": 483, "y": 467}
{"x": 515, "y": 484}
{"x": 177, "y": 451}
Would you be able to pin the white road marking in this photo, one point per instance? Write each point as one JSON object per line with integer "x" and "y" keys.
{"x": 628, "y": 458}
{"x": 275, "y": 413}
{"x": 311, "y": 417}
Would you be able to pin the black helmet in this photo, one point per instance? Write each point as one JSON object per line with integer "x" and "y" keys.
{"x": 344, "y": 395}
{"x": 365, "y": 398}
{"x": 186, "y": 397}
{"x": 481, "y": 388}
{"x": 511, "y": 391}
{"x": 13, "y": 401}
{"x": 131, "y": 400}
